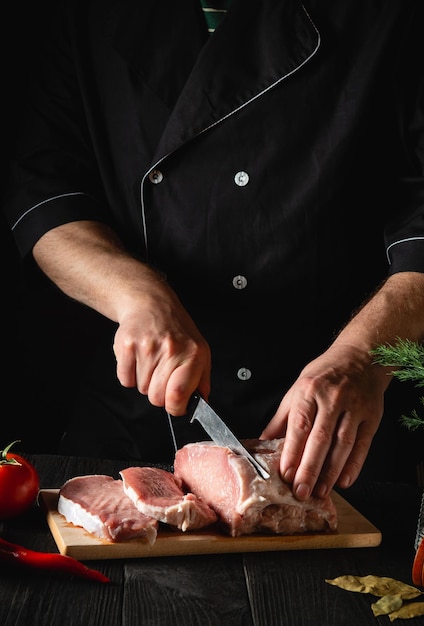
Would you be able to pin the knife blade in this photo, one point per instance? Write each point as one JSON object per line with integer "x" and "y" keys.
{"x": 198, "y": 409}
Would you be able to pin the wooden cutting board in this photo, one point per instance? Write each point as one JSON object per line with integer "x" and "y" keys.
{"x": 354, "y": 531}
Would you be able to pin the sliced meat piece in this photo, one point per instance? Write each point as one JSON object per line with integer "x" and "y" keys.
{"x": 98, "y": 503}
{"x": 245, "y": 502}
{"x": 158, "y": 493}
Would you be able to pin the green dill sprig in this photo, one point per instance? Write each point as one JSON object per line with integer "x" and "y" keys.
{"x": 408, "y": 359}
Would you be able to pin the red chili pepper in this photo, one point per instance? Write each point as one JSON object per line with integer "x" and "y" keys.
{"x": 18, "y": 555}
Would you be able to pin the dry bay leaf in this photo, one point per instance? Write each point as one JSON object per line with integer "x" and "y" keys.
{"x": 386, "y": 604}
{"x": 376, "y": 585}
{"x": 413, "y": 609}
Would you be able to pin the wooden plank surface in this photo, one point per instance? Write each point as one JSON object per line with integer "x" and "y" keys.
{"x": 354, "y": 531}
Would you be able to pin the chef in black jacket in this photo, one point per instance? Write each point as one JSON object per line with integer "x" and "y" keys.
{"x": 245, "y": 207}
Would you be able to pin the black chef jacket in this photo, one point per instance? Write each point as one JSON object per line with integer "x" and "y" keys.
{"x": 273, "y": 172}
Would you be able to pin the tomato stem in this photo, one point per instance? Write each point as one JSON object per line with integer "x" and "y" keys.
{"x": 3, "y": 456}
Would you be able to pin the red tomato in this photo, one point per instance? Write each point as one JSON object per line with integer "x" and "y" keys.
{"x": 19, "y": 484}
{"x": 418, "y": 565}
{"x": 422, "y": 581}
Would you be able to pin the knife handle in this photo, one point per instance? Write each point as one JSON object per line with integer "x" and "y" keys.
{"x": 192, "y": 404}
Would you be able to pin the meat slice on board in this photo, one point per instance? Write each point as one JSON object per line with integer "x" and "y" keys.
{"x": 245, "y": 502}
{"x": 98, "y": 503}
{"x": 158, "y": 493}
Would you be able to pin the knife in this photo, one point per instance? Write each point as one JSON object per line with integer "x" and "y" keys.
{"x": 198, "y": 409}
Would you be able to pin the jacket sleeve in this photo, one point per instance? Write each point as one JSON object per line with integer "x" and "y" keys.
{"x": 53, "y": 176}
{"x": 404, "y": 235}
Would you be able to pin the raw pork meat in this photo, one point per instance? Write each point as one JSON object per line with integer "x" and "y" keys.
{"x": 245, "y": 502}
{"x": 158, "y": 493}
{"x": 98, "y": 503}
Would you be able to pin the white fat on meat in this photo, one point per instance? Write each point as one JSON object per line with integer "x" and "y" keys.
{"x": 98, "y": 504}
{"x": 157, "y": 492}
{"x": 245, "y": 502}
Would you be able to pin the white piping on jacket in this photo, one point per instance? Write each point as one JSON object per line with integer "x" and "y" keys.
{"x": 63, "y": 195}
{"x": 395, "y": 243}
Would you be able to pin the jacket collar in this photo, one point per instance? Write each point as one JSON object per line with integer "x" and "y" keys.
{"x": 210, "y": 77}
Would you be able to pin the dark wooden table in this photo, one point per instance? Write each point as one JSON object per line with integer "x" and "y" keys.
{"x": 262, "y": 589}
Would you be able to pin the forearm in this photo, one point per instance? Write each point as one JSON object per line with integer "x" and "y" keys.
{"x": 87, "y": 261}
{"x": 157, "y": 345}
{"x": 395, "y": 311}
